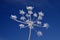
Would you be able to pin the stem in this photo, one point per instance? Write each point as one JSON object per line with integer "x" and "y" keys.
{"x": 29, "y": 34}
{"x": 30, "y": 17}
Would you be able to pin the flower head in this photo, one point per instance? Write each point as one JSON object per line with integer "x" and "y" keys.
{"x": 35, "y": 15}
{"x": 39, "y": 33}
{"x": 29, "y": 7}
{"x": 46, "y": 25}
{"x": 22, "y": 12}
{"x": 22, "y": 26}
{"x": 41, "y": 13}
{"x": 13, "y": 17}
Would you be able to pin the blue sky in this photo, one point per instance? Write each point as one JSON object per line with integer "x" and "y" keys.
{"x": 9, "y": 29}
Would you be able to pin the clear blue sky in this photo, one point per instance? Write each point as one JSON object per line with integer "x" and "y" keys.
{"x": 9, "y": 29}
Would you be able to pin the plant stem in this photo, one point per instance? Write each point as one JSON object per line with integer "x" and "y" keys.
{"x": 29, "y": 33}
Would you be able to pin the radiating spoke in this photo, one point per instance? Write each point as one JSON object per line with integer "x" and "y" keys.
{"x": 20, "y": 21}
{"x": 36, "y": 25}
{"x": 39, "y": 26}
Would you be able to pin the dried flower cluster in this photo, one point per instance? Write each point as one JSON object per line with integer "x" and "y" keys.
{"x": 28, "y": 18}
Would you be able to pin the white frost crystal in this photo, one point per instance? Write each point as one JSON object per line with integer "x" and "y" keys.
{"x": 35, "y": 15}
{"x": 13, "y": 16}
{"x": 39, "y": 33}
{"x": 21, "y": 25}
{"x": 22, "y": 12}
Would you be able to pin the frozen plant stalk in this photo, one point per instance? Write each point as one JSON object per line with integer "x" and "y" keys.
{"x": 30, "y": 20}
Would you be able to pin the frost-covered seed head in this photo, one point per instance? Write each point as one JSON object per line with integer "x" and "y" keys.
{"x": 39, "y": 18}
{"x": 46, "y": 25}
{"x": 21, "y": 25}
{"x": 35, "y": 15}
{"x": 13, "y": 17}
{"x": 27, "y": 15}
{"x": 29, "y": 7}
{"x": 41, "y": 14}
{"x": 22, "y": 18}
{"x": 30, "y": 12}
{"x": 39, "y": 33}
{"x": 22, "y": 12}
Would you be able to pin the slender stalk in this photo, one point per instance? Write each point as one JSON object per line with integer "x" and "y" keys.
{"x": 30, "y": 17}
{"x": 20, "y": 21}
{"x": 29, "y": 34}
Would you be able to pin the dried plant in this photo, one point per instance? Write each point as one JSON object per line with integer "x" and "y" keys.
{"x": 30, "y": 20}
